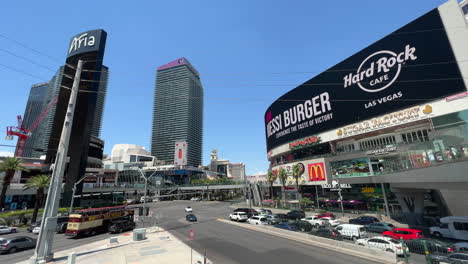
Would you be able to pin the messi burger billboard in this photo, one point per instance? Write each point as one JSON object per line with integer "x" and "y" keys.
{"x": 413, "y": 65}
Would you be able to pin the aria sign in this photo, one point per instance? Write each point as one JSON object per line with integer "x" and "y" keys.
{"x": 89, "y": 41}
{"x": 82, "y": 40}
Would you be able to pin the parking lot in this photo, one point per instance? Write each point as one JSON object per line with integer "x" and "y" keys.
{"x": 415, "y": 252}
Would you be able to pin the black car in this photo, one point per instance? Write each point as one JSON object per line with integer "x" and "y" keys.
{"x": 364, "y": 220}
{"x": 249, "y": 211}
{"x": 119, "y": 226}
{"x": 327, "y": 233}
{"x": 283, "y": 217}
{"x": 191, "y": 218}
{"x": 61, "y": 228}
{"x": 295, "y": 214}
{"x": 302, "y": 226}
{"x": 433, "y": 245}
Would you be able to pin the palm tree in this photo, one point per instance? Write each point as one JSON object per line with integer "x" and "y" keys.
{"x": 271, "y": 178}
{"x": 39, "y": 182}
{"x": 296, "y": 173}
{"x": 283, "y": 176}
{"x": 9, "y": 166}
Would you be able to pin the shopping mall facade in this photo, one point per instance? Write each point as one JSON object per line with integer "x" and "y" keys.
{"x": 390, "y": 119}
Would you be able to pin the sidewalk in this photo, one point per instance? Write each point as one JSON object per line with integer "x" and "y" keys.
{"x": 158, "y": 247}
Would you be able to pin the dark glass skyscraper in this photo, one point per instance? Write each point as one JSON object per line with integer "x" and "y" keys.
{"x": 40, "y": 96}
{"x": 177, "y": 112}
{"x": 36, "y": 104}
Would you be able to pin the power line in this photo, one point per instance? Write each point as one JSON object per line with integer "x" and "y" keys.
{"x": 23, "y": 72}
{"x": 27, "y": 47}
{"x": 26, "y": 59}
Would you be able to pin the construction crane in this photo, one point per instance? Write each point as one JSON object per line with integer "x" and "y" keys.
{"x": 24, "y": 133}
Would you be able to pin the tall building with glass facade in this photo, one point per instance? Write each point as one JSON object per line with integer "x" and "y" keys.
{"x": 44, "y": 93}
{"x": 37, "y": 101}
{"x": 177, "y": 112}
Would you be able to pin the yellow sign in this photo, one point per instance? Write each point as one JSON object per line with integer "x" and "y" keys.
{"x": 368, "y": 189}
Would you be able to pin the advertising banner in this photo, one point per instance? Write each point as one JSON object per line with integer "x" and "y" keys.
{"x": 312, "y": 172}
{"x": 180, "y": 153}
{"x": 411, "y": 66}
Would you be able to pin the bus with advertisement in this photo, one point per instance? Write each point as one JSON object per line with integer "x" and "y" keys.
{"x": 95, "y": 220}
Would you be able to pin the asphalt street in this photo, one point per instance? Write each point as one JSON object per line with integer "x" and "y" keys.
{"x": 229, "y": 244}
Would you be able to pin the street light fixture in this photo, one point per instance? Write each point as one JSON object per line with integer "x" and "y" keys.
{"x": 74, "y": 190}
{"x": 146, "y": 186}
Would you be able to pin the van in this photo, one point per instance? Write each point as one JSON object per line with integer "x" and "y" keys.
{"x": 352, "y": 231}
{"x": 451, "y": 227}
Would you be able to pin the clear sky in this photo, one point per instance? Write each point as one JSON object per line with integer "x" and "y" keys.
{"x": 248, "y": 54}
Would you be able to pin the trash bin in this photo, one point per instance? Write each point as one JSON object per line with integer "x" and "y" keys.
{"x": 139, "y": 234}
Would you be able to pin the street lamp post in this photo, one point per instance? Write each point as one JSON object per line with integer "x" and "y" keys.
{"x": 74, "y": 190}
{"x": 146, "y": 187}
{"x": 341, "y": 198}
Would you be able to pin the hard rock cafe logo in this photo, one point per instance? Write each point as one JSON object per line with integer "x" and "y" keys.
{"x": 380, "y": 69}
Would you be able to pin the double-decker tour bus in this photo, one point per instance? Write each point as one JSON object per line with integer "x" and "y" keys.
{"x": 95, "y": 220}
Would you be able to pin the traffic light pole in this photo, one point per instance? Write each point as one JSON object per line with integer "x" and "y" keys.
{"x": 43, "y": 251}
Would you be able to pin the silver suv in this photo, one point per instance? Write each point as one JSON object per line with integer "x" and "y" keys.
{"x": 13, "y": 244}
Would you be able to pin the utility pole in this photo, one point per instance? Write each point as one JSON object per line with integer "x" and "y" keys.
{"x": 43, "y": 251}
{"x": 73, "y": 196}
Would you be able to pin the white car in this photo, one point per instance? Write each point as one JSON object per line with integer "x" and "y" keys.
{"x": 238, "y": 216}
{"x": 258, "y": 220}
{"x": 148, "y": 199}
{"x": 36, "y": 230}
{"x": 8, "y": 230}
{"x": 352, "y": 231}
{"x": 331, "y": 221}
{"x": 315, "y": 221}
{"x": 188, "y": 209}
{"x": 195, "y": 199}
{"x": 263, "y": 211}
{"x": 383, "y": 243}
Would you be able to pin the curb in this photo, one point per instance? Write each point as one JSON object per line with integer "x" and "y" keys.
{"x": 315, "y": 243}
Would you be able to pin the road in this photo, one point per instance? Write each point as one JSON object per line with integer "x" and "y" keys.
{"x": 224, "y": 243}
{"x": 229, "y": 244}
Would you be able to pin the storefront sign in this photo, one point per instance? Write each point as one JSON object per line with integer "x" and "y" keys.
{"x": 368, "y": 190}
{"x": 386, "y": 80}
{"x": 382, "y": 151}
{"x": 304, "y": 142}
{"x": 317, "y": 172}
{"x": 393, "y": 119}
{"x": 335, "y": 186}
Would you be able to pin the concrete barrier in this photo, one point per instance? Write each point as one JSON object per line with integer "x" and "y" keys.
{"x": 340, "y": 246}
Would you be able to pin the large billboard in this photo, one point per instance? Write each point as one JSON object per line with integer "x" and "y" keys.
{"x": 413, "y": 65}
{"x": 180, "y": 153}
{"x": 311, "y": 172}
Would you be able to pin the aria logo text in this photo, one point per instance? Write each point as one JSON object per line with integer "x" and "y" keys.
{"x": 82, "y": 41}
{"x": 379, "y": 70}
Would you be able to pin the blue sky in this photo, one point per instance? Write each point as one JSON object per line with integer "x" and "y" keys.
{"x": 248, "y": 54}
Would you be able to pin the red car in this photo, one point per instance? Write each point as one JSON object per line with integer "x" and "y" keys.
{"x": 326, "y": 215}
{"x": 405, "y": 233}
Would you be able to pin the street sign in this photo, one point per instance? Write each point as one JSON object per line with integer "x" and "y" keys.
{"x": 192, "y": 234}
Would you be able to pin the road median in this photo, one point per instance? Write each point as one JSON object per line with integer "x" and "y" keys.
{"x": 339, "y": 246}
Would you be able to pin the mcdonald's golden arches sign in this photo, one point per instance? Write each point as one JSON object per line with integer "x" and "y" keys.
{"x": 317, "y": 171}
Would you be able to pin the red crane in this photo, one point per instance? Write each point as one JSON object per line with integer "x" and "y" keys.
{"x": 24, "y": 133}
